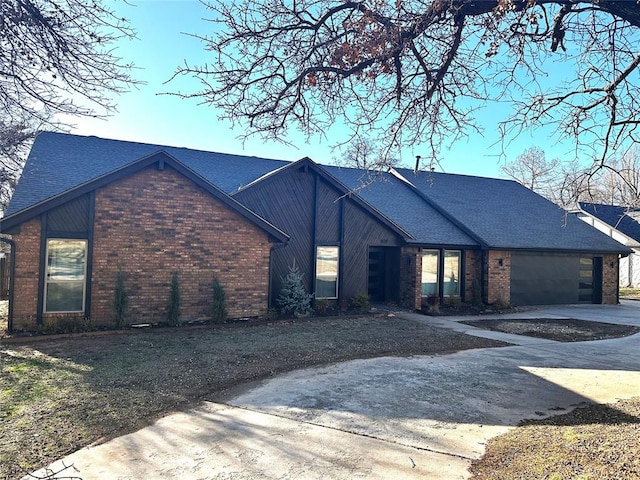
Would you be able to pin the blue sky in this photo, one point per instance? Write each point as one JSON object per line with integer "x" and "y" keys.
{"x": 145, "y": 115}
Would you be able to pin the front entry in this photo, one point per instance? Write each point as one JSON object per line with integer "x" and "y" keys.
{"x": 384, "y": 274}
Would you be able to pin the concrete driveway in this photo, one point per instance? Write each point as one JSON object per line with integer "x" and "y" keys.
{"x": 421, "y": 417}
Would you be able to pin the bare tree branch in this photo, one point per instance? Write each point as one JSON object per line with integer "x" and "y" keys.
{"x": 414, "y": 71}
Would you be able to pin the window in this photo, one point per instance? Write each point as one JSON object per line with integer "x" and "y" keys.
{"x": 430, "y": 261}
{"x": 327, "y": 272}
{"x": 65, "y": 276}
{"x": 451, "y": 285}
{"x": 449, "y": 276}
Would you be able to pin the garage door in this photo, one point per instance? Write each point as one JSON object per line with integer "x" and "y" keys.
{"x": 551, "y": 279}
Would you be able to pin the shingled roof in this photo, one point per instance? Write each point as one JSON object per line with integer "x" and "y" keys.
{"x": 620, "y": 218}
{"x": 434, "y": 208}
{"x": 59, "y": 162}
{"x": 404, "y": 206}
{"x": 505, "y": 214}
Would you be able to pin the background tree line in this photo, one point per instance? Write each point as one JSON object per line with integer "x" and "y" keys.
{"x": 567, "y": 182}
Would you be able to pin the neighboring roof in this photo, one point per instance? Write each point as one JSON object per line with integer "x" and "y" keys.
{"x": 400, "y": 203}
{"x": 59, "y": 162}
{"x": 616, "y": 217}
{"x": 505, "y": 214}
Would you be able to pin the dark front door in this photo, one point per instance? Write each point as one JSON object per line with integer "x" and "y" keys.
{"x": 384, "y": 274}
{"x": 597, "y": 279}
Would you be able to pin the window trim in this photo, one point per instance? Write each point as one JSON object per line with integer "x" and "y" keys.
{"x": 47, "y": 281}
{"x": 337, "y": 263}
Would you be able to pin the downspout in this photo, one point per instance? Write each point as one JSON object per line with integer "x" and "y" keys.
{"x": 12, "y": 275}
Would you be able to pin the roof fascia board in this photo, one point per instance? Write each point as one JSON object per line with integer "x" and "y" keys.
{"x": 622, "y": 251}
{"x": 347, "y": 192}
{"x": 159, "y": 157}
{"x": 484, "y": 245}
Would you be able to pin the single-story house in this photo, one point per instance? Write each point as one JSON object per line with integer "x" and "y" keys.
{"x": 87, "y": 208}
{"x": 623, "y": 225}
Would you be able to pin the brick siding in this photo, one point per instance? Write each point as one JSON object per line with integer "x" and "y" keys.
{"x": 411, "y": 278}
{"x": 472, "y": 277}
{"x": 25, "y": 286}
{"x": 498, "y": 277}
{"x": 610, "y": 279}
{"x": 148, "y": 225}
{"x": 155, "y": 222}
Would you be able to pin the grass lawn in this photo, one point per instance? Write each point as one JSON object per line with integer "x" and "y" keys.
{"x": 630, "y": 293}
{"x": 58, "y": 395}
{"x": 596, "y": 442}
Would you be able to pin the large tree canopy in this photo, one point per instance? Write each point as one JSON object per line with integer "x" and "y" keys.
{"x": 414, "y": 71}
{"x": 56, "y": 56}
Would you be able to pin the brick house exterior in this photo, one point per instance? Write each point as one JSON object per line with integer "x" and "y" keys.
{"x": 87, "y": 208}
{"x": 149, "y": 223}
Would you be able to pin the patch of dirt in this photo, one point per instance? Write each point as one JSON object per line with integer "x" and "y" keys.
{"x": 561, "y": 330}
{"x": 594, "y": 442}
{"x": 59, "y": 395}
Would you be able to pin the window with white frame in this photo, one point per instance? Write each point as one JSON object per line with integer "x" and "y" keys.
{"x": 327, "y": 272}
{"x": 65, "y": 275}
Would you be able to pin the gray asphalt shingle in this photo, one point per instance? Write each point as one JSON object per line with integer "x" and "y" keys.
{"x": 434, "y": 208}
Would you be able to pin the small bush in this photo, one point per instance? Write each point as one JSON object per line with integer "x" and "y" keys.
{"x": 293, "y": 298}
{"x": 120, "y": 300}
{"x": 455, "y": 302}
{"x": 62, "y": 325}
{"x": 270, "y": 314}
{"x": 321, "y": 306}
{"x": 219, "y": 314}
{"x": 173, "y": 305}
{"x": 360, "y": 302}
{"x": 433, "y": 304}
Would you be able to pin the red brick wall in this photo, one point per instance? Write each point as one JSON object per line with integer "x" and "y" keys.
{"x": 498, "y": 277}
{"x": 411, "y": 277}
{"x": 610, "y": 277}
{"x": 25, "y": 286}
{"x": 155, "y": 222}
{"x": 472, "y": 277}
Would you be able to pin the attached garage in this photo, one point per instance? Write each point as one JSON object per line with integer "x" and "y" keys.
{"x": 540, "y": 278}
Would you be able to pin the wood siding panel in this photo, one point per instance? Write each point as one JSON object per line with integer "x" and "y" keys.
{"x": 328, "y": 221}
{"x": 361, "y": 231}
{"x": 287, "y": 201}
{"x": 72, "y": 217}
{"x": 310, "y": 212}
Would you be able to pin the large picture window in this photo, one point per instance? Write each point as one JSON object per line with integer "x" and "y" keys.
{"x": 65, "y": 275}
{"x": 434, "y": 271}
{"x": 327, "y": 272}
